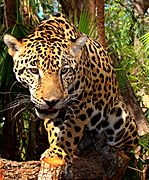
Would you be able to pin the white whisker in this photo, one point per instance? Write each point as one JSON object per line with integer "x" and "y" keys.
{"x": 17, "y": 113}
{"x": 15, "y": 82}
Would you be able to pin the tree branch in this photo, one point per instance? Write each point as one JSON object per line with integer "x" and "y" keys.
{"x": 95, "y": 162}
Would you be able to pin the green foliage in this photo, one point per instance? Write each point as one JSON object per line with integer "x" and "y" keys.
{"x": 88, "y": 24}
{"x": 144, "y": 142}
{"x": 6, "y": 76}
{"x": 145, "y": 41}
{"x": 123, "y": 30}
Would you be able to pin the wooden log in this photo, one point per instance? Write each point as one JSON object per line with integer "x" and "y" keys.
{"x": 93, "y": 163}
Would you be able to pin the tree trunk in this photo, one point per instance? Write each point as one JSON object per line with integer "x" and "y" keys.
{"x": 101, "y": 28}
{"x": 146, "y": 6}
{"x": 90, "y": 5}
{"x": 139, "y": 8}
{"x": 9, "y": 13}
{"x": 72, "y": 8}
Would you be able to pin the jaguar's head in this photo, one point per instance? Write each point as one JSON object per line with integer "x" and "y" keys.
{"x": 49, "y": 69}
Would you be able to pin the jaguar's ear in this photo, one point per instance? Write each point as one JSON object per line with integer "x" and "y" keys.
{"x": 75, "y": 49}
{"x": 12, "y": 43}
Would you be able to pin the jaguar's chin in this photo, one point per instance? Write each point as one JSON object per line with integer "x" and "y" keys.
{"x": 47, "y": 113}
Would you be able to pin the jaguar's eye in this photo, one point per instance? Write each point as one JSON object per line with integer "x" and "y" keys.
{"x": 34, "y": 70}
{"x": 64, "y": 70}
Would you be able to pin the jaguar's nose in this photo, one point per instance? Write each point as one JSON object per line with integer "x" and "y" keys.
{"x": 52, "y": 102}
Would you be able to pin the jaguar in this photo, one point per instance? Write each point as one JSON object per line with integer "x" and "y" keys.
{"x": 69, "y": 74}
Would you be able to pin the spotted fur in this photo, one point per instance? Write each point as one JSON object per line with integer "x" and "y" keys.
{"x": 70, "y": 75}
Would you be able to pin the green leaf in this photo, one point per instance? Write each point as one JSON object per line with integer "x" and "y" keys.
{"x": 145, "y": 41}
{"x": 88, "y": 24}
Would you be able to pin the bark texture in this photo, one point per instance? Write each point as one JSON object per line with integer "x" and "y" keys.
{"x": 9, "y": 13}
{"x": 72, "y": 8}
{"x": 101, "y": 28}
{"x": 92, "y": 164}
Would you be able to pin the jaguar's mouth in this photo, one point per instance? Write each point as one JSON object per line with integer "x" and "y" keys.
{"x": 46, "y": 113}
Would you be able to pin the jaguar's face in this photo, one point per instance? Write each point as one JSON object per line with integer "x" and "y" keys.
{"x": 50, "y": 89}
{"x": 47, "y": 71}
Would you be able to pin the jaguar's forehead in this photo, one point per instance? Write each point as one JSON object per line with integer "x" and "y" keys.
{"x": 42, "y": 55}
{"x": 46, "y": 45}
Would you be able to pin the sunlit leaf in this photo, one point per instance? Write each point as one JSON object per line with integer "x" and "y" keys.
{"x": 88, "y": 24}
{"x": 145, "y": 41}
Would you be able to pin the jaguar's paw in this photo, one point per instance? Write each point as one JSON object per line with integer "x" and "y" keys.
{"x": 54, "y": 161}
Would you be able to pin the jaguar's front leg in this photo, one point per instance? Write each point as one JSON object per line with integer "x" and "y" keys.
{"x": 52, "y": 155}
{"x": 63, "y": 142}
